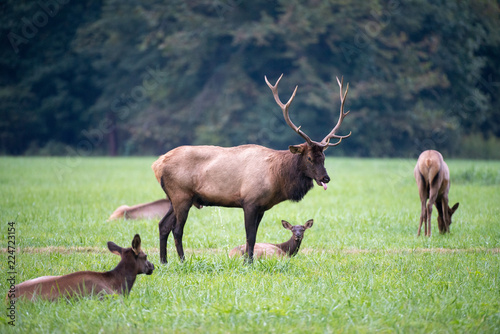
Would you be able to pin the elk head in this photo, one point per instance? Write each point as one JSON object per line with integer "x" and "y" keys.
{"x": 297, "y": 230}
{"x": 312, "y": 152}
{"x": 441, "y": 220}
{"x": 133, "y": 257}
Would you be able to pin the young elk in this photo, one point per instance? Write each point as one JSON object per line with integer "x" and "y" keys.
{"x": 289, "y": 248}
{"x": 433, "y": 181}
{"x": 117, "y": 281}
{"x": 251, "y": 177}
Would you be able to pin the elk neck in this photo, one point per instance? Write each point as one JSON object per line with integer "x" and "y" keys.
{"x": 122, "y": 277}
{"x": 291, "y": 247}
{"x": 293, "y": 181}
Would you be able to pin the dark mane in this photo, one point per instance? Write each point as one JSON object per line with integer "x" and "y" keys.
{"x": 290, "y": 169}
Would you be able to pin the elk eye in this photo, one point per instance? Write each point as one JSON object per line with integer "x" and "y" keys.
{"x": 309, "y": 159}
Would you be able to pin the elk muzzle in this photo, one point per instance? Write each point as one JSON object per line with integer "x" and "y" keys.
{"x": 149, "y": 267}
{"x": 323, "y": 181}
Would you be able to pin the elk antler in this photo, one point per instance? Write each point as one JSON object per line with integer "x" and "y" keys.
{"x": 326, "y": 140}
{"x": 284, "y": 107}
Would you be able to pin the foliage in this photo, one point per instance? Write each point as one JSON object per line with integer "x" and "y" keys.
{"x": 130, "y": 77}
{"x": 476, "y": 146}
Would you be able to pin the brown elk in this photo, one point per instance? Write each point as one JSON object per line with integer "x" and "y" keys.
{"x": 289, "y": 248}
{"x": 156, "y": 209}
{"x": 251, "y": 177}
{"x": 433, "y": 181}
{"x": 83, "y": 283}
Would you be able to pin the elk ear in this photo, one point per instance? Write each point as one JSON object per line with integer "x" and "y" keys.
{"x": 296, "y": 149}
{"x": 136, "y": 244}
{"x": 454, "y": 208}
{"x": 114, "y": 248}
{"x": 309, "y": 224}
{"x": 286, "y": 225}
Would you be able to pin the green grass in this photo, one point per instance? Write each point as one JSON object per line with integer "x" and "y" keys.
{"x": 361, "y": 268}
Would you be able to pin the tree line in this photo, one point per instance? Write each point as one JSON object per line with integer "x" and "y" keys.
{"x": 125, "y": 77}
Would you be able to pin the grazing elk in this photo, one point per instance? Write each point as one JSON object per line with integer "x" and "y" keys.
{"x": 117, "y": 281}
{"x": 156, "y": 209}
{"x": 289, "y": 248}
{"x": 251, "y": 177}
{"x": 433, "y": 181}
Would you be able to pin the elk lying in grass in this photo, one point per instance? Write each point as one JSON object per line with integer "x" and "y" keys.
{"x": 156, "y": 209}
{"x": 83, "y": 283}
{"x": 251, "y": 177}
{"x": 433, "y": 181}
{"x": 289, "y": 248}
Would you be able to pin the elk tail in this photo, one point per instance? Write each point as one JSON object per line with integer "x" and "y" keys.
{"x": 156, "y": 167}
{"x": 432, "y": 172}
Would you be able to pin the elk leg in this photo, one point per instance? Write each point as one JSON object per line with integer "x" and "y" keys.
{"x": 252, "y": 221}
{"x": 181, "y": 215}
{"x": 432, "y": 200}
{"x": 423, "y": 194}
{"x": 259, "y": 218}
{"x": 423, "y": 217}
{"x": 165, "y": 225}
{"x": 439, "y": 207}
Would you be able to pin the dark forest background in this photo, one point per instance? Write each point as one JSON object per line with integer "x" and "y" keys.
{"x": 123, "y": 77}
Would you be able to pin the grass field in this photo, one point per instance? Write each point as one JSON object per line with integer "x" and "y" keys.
{"x": 361, "y": 268}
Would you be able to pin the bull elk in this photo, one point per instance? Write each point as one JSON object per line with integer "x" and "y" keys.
{"x": 251, "y": 177}
{"x": 83, "y": 283}
{"x": 433, "y": 181}
{"x": 289, "y": 248}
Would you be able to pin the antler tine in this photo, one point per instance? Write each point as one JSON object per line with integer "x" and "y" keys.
{"x": 343, "y": 96}
{"x": 284, "y": 108}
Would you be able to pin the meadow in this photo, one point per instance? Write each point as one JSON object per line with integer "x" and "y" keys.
{"x": 361, "y": 267}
